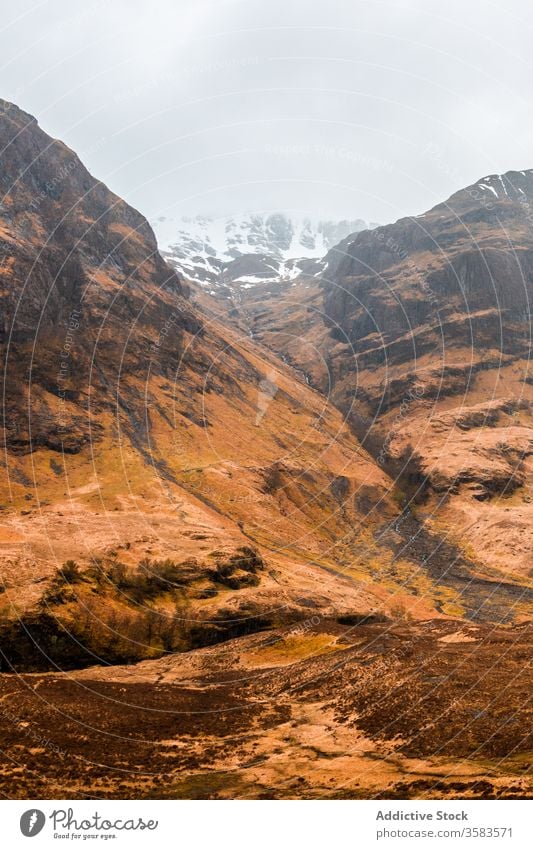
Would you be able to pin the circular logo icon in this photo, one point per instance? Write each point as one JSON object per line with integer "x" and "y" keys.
{"x": 32, "y": 822}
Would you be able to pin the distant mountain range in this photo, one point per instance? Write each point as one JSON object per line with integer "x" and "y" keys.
{"x": 249, "y": 248}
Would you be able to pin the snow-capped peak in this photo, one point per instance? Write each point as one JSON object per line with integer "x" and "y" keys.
{"x": 202, "y": 248}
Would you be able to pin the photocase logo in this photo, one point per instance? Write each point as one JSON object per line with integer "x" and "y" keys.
{"x": 266, "y": 391}
{"x": 32, "y": 822}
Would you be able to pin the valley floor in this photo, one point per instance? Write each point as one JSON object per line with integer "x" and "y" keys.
{"x": 437, "y": 709}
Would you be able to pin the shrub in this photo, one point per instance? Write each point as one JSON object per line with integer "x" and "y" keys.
{"x": 240, "y": 569}
{"x": 362, "y": 619}
{"x": 150, "y": 579}
{"x": 70, "y": 572}
{"x": 400, "y": 612}
{"x": 59, "y": 590}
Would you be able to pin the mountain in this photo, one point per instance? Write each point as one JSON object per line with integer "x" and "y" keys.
{"x": 215, "y": 541}
{"x": 248, "y": 248}
{"x": 420, "y": 332}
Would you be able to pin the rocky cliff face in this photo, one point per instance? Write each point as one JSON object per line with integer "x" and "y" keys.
{"x": 461, "y": 272}
{"x": 441, "y": 297}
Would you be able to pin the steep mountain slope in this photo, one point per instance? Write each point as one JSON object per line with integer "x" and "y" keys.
{"x": 420, "y": 332}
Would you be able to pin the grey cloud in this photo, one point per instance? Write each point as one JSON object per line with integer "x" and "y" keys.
{"x": 359, "y": 109}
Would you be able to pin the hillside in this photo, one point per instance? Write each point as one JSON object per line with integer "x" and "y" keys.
{"x": 420, "y": 333}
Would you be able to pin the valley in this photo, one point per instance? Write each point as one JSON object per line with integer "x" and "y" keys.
{"x": 265, "y": 528}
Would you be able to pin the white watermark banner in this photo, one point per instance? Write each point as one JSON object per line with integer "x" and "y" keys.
{"x": 267, "y": 824}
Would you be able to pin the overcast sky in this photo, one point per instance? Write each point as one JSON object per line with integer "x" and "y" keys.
{"x": 337, "y": 108}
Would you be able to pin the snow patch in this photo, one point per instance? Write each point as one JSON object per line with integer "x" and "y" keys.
{"x": 490, "y": 188}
